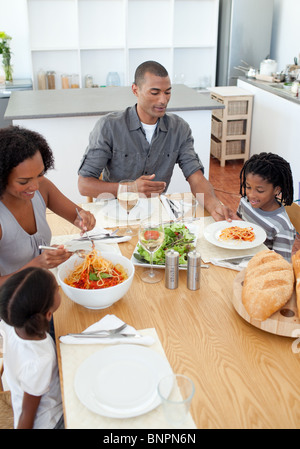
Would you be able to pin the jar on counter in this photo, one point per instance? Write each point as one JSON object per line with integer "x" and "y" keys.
{"x": 75, "y": 81}
{"x": 51, "y": 79}
{"x": 65, "y": 81}
{"x": 113, "y": 79}
{"x": 89, "y": 81}
{"x": 41, "y": 78}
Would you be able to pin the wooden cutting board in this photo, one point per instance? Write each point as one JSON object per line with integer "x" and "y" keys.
{"x": 284, "y": 322}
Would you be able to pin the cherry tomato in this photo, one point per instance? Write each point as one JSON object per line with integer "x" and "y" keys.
{"x": 151, "y": 235}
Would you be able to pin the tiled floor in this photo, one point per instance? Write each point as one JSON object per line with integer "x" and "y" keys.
{"x": 226, "y": 182}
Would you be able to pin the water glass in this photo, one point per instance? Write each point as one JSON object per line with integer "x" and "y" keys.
{"x": 176, "y": 392}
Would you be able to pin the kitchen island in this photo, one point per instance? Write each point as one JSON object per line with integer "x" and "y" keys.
{"x": 275, "y": 123}
{"x": 66, "y": 117}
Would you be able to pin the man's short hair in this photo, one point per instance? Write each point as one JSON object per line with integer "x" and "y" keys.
{"x": 151, "y": 67}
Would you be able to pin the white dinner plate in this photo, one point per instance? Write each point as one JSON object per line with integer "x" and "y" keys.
{"x": 121, "y": 381}
{"x": 213, "y": 231}
{"x": 194, "y": 229}
{"x": 142, "y": 210}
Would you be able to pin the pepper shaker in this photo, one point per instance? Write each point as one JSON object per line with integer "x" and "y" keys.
{"x": 172, "y": 268}
{"x": 193, "y": 270}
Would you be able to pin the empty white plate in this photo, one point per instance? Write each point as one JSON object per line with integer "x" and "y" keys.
{"x": 121, "y": 381}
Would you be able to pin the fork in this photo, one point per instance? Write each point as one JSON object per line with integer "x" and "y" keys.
{"x": 101, "y": 236}
{"x": 106, "y": 332}
{"x": 80, "y": 217}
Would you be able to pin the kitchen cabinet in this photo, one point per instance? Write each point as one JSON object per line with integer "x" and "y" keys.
{"x": 98, "y": 36}
{"x": 231, "y": 126}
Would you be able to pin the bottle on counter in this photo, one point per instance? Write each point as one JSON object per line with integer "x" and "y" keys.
{"x": 41, "y": 78}
{"x": 172, "y": 269}
{"x": 193, "y": 270}
{"x": 75, "y": 81}
{"x": 113, "y": 79}
{"x": 51, "y": 79}
{"x": 65, "y": 81}
{"x": 89, "y": 81}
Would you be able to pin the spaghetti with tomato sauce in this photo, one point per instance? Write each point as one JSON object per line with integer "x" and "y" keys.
{"x": 95, "y": 272}
{"x": 238, "y": 233}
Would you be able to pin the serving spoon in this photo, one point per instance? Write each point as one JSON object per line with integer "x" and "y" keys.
{"x": 80, "y": 252}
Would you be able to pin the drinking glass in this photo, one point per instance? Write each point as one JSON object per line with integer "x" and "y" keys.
{"x": 151, "y": 237}
{"x": 176, "y": 392}
{"x": 128, "y": 198}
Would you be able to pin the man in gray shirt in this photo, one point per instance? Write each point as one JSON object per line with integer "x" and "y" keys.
{"x": 144, "y": 143}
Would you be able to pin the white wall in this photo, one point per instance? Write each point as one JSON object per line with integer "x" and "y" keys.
{"x": 285, "y": 43}
{"x": 285, "y": 37}
{"x": 14, "y": 22}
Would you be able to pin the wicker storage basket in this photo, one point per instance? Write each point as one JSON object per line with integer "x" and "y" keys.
{"x": 238, "y": 107}
{"x": 234, "y": 127}
{"x": 232, "y": 147}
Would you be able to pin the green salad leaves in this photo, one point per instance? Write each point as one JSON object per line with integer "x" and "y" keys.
{"x": 177, "y": 237}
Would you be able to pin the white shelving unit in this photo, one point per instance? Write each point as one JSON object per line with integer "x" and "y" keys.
{"x": 99, "y": 36}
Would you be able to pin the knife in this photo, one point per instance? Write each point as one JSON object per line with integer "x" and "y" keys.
{"x": 170, "y": 203}
{"x": 92, "y": 335}
{"x": 108, "y": 237}
{"x": 236, "y": 260}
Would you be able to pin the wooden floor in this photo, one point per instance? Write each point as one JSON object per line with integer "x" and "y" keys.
{"x": 226, "y": 182}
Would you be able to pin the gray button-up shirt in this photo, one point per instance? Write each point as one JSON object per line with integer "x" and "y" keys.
{"x": 118, "y": 147}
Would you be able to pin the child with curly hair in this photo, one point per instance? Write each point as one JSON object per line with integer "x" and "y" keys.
{"x": 266, "y": 186}
{"x": 28, "y": 300}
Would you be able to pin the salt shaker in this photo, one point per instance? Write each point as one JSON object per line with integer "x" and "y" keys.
{"x": 172, "y": 267}
{"x": 193, "y": 270}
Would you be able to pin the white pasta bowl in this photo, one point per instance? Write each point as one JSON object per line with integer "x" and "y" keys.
{"x": 98, "y": 298}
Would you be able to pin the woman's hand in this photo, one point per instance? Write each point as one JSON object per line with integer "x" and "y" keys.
{"x": 52, "y": 258}
{"x": 86, "y": 221}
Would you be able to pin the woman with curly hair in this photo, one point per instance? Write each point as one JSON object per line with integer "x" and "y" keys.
{"x": 25, "y": 193}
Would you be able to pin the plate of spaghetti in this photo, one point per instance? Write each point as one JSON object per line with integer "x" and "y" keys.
{"x": 98, "y": 280}
{"x": 237, "y": 234}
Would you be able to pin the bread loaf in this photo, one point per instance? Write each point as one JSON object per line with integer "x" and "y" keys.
{"x": 296, "y": 266}
{"x": 268, "y": 284}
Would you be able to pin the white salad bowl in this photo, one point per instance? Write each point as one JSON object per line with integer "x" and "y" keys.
{"x": 98, "y": 298}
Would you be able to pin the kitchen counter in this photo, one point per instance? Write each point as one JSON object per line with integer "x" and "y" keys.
{"x": 66, "y": 118}
{"x": 269, "y": 87}
{"x": 5, "y": 92}
{"x": 95, "y": 101}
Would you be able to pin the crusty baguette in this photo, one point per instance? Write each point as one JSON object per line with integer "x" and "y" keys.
{"x": 268, "y": 284}
{"x": 296, "y": 266}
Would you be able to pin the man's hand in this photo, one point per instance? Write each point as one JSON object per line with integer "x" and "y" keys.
{"x": 222, "y": 212}
{"x": 219, "y": 212}
{"x": 148, "y": 187}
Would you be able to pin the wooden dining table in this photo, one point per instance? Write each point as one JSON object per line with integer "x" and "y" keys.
{"x": 245, "y": 378}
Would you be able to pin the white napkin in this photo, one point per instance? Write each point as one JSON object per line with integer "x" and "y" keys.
{"x": 167, "y": 207}
{"x": 227, "y": 264}
{"x": 109, "y": 322}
